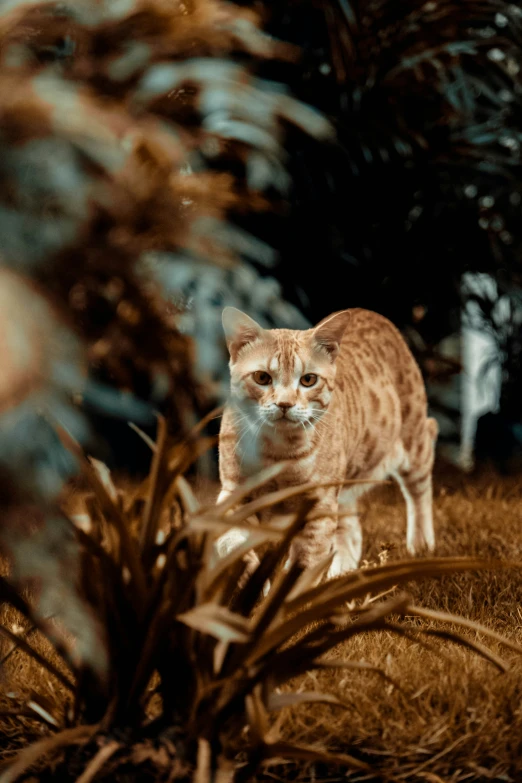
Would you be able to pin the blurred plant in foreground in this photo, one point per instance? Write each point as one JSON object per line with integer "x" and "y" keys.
{"x": 197, "y": 667}
{"x": 112, "y": 114}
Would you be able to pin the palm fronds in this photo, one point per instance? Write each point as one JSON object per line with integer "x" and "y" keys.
{"x": 425, "y": 182}
{"x": 113, "y": 115}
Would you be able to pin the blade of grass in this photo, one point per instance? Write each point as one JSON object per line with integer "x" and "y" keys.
{"x": 143, "y": 435}
{"x": 8, "y": 654}
{"x": 42, "y": 624}
{"x": 477, "y": 647}
{"x": 178, "y": 467}
{"x": 356, "y": 666}
{"x": 153, "y": 502}
{"x": 308, "y": 579}
{"x": 97, "y": 762}
{"x": 36, "y": 656}
{"x": 257, "y": 716}
{"x": 217, "y": 621}
{"x": 221, "y": 572}
{"x": 14, "y": 598}
{"x": 200, "y": 426}
{"x": 30, "y": 755}
{"x": 299, "y": 659}
{"x": 256, "y": 482}
{"x": 187, "y": 496}
{"x": 463, "y": 622}
{"x": 42, "y": 713}
{"x": 278, "y": 701}
{"x": 304, "y": 753}
{"x": 319, "y": 640}
{"x": 203, "y": 773}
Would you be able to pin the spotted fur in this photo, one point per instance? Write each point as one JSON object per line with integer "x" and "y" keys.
{"x": 364, "y": 418}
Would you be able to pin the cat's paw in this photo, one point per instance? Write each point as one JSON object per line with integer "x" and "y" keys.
{"x": 230, "y": 540}
{"x": 341, "y": 564}
{"x": 420, "y": 542}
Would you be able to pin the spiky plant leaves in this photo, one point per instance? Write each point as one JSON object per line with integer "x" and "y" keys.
{"x": 462, "y": 622}
{"x": 476, "y": 647}
{"x": 425, "y": 101}
{"x": 264, "y": 747}
{"x": 219, "y": 667}
{"x": 217, "y": 621}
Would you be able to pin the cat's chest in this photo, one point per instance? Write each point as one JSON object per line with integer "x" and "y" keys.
{"x": 261, "y": 449}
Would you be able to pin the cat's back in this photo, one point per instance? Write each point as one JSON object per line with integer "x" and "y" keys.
{"x": 370, "y": 327}
{"x": 380, "y": 389}
{"x": 373, "y": 344}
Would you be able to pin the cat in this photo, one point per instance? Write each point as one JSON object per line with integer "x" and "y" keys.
{"x": 343, "y": 400}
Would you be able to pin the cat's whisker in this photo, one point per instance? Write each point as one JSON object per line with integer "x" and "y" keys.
{"x": 316, "y": 418}
{"x": 254, "y": 436}
{"x": 243, "y": 432}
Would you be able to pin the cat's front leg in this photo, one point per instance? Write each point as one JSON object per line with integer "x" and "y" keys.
{"x": 233, "y": 539}
{"x": 316, "y": 540}
{"x": 348, "y": 536}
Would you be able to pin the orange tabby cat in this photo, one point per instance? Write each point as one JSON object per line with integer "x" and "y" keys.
{"x": 344, "y": 400}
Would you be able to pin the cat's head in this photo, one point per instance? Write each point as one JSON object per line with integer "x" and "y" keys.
{"x": 282, "y": 377}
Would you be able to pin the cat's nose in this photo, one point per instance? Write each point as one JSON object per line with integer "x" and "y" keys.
{"x": 285, "y": 405}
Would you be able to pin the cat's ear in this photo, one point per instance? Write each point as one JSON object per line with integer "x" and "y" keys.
{"x": 240, "y": 330}
{"x": 328, "y": 334}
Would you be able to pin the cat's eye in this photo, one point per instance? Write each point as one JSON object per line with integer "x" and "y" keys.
{"x": 309, "y": 379}
{"x": 262, "y": 378}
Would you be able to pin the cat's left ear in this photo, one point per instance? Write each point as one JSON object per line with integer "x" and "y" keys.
{"x": 329, "y": 332}
{"x": 240, "y": 330}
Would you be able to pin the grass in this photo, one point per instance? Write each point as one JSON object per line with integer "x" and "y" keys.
{"x": 457, "y": 718}
{"x": 454, "y": 716}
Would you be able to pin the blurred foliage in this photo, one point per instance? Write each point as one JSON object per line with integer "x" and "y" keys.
{"x": 110, "y": 113}
{"x": 425, "y": 181}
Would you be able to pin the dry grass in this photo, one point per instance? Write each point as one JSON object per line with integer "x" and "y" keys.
{"x": 455, "y": 717}
{"x": 20, "y": 678}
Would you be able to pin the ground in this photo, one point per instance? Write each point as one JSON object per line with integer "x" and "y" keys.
{"x": 454, "y": 717}
{"x": 457, "y": 718}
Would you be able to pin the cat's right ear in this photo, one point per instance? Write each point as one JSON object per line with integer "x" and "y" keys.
{"x": 240, "y": 330}
{"x": 329, "y": 332}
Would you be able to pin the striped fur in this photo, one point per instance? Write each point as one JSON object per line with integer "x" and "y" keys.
{"x": 364, "y": 418}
